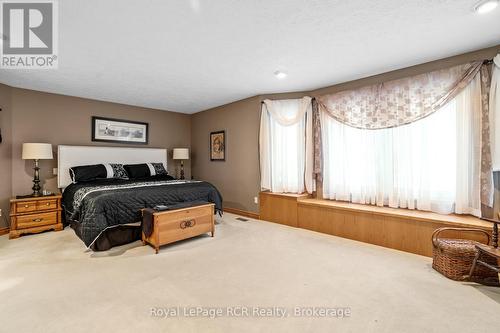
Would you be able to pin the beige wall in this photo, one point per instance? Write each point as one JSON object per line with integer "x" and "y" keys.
{"x": 58, "y": 119}
{"x": 5, "y": 153}
{"x": 238, "y": 178}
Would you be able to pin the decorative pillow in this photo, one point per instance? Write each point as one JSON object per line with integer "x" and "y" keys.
{"x": 117, "y": 171}
{"x": 159, "y": 169}
{"x": 137, "y": 170}
{"x": 145, "y": 170}
{"x": 85, "y": 173}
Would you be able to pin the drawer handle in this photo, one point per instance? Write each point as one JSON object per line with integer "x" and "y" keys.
{"x": 187, "y": 224}
{"x": 26, "y": 206}
{"x": 38, "y": 220}
{"x": 47, "y": 204}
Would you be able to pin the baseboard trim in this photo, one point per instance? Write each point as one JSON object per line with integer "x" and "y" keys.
{"x": 242, "y": 212}
{"x": 4, "y": 231}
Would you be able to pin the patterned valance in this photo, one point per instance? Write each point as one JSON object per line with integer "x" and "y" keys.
{"x": 403, "y": 101}
{"x": 398, "y": 102}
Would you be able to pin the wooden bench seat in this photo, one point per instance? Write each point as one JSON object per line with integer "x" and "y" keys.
{"x": 401, "y": 229}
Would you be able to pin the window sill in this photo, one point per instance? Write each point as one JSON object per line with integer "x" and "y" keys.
{"x": 451, "y": 219}
{"x": 287, "y": 195}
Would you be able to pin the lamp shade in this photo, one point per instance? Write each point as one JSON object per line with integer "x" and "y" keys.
{"x": 181, "y": 154}
{"x": 37, "y": 151}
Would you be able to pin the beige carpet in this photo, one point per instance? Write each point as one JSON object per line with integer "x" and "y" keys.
{"x": 50, "y": 284}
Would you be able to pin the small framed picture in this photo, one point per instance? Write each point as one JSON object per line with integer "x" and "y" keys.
{"x": 218, "y": 146}
{"x": 118, "y": 130}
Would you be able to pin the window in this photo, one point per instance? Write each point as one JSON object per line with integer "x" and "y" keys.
{"x": 430, "y": 164}
{"x": 286, "y": 145}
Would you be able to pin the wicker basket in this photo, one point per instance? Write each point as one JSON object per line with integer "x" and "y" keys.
{"x": 453, "y": 257}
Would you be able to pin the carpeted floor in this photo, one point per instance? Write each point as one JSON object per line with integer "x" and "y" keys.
{"x": 48, "y": 283}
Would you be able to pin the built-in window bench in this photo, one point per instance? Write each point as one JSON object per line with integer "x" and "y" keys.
{"x": 401, "y": 229}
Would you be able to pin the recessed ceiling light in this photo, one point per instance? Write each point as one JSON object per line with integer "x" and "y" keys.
{"x": 487, "y": 6}
{"x": 280, "y": 75}
{"x": 195, "y": 5}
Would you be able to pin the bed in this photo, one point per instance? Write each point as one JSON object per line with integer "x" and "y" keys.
{"x": 107, "y": 212}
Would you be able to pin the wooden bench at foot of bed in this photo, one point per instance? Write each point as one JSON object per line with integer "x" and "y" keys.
{"x": 175, "y": 225}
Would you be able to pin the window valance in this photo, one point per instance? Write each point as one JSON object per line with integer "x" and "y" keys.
{"x": 404, "y": 101}
{"x": 398, "y": 102}
{"x": 288, "y": 111}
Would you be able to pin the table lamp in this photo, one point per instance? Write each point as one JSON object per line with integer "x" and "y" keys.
{"x": 37, "y": 151}
{"x": 181, "y": 154}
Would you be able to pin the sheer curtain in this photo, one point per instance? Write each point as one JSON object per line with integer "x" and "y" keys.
{"x": 495, "y": 114}
{"x": 285, "y": 139}
{"x": 431, "y": 164}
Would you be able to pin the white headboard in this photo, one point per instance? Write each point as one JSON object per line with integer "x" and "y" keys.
{"x": 70, "y": 156}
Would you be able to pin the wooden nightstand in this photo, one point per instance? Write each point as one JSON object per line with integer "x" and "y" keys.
{"x": 37, "y": 214}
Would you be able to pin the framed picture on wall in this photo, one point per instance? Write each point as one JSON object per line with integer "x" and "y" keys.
{"x": 218, "y": 146}
{"x": 118, "y": 130}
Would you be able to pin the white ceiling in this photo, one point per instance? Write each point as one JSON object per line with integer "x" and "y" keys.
{"x": 191, "y": 55}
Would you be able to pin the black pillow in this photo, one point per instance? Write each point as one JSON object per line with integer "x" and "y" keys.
{"x": 137, "y": 170}
{"x": 85, "y": 173}
{"x": 145, "y": 170}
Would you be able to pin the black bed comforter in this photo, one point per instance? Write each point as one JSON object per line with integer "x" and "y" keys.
{"x": 102, "y": 204}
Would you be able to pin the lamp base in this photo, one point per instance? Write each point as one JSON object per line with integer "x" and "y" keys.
{"x": 36, "y": 181}
{"x": 182, "y": 170}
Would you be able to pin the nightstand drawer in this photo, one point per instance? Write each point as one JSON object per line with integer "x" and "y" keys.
{"x": 47, "y": 204}
{"x": 35, "y": 220}
{"x": 34, "y": 214}
{"x": 26, "y": 206}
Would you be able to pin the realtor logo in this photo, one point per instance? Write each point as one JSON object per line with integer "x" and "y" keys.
{"x": 29, "y": 34}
